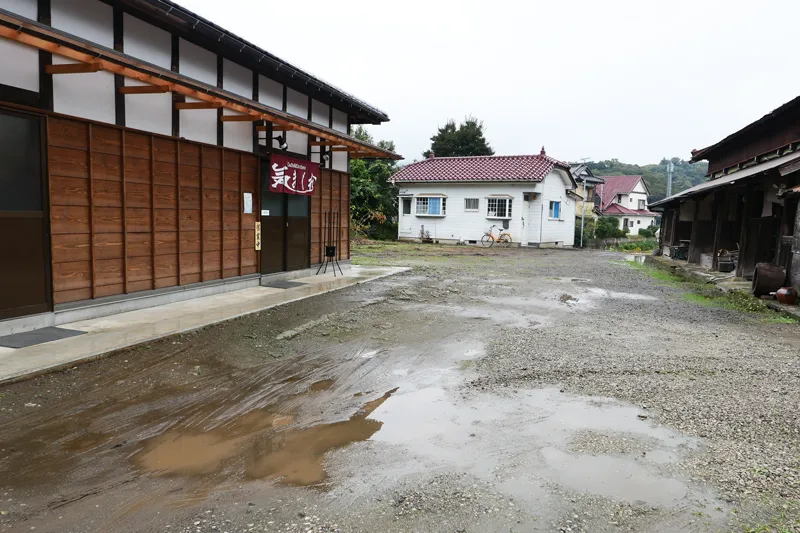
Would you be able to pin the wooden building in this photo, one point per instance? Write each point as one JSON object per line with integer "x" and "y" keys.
{"x": 749, "y": 203}
{"x": 138, "y": 145}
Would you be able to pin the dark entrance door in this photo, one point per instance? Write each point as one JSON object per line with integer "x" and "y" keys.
{"x": 24, "y": 243}
{"x": 285, "y": 231}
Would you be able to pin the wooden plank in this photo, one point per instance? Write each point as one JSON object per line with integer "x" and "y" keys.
{"x": 137, "y": 220}
{"x": 76, "y": 295}
{"x": 106, "y": 140}
{"x": 140, "y": 244}
{"x": 164, "y": 151}
{"x": 191, "y": 198}
{"x": 144, "y": 89}
{"x": 197, "y": 105}
{"x": 124, "y": 215}
{"x": 111, "y": 272}
{"x": 211, "y": 241}
{"x": 190, "y": 263}
{"x": 190, "y": 154}
{"x": 106, "y": 166}
{"x": 166, "y": 220}
{"x": 140, "y": 269}
{"x": 164, "y": 196}
{"x": 69, "y": 191}
{"x": 137, "y": 145}
{"x": 73, "y": 68}
{"x": 190, "y": 241}
{"x": 166, "y": 243}
{"x": 111, "y": 289}
{"x": 221, "y": 210}
{"x": 138, "y": 195}
{"x": 240, "y": 204}
{"x": 152, "y": 212}
{"x": 69, "y": 219}
{"x": 65, "y": 133}
{"x": 72, "y": 275}
{"x": 67, "y": 162}
{"x": 202, "y": 215}
{"x": 107, "y": 246}
{"x": 178, "y": 197}
{"x": 89, "y": 166}
{"x": 71, "y": 247}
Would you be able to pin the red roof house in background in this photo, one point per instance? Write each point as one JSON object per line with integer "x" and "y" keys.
{"x": 625, "y": 197}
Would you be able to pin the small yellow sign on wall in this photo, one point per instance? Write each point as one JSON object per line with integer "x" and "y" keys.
{"x": 258, "y": 236}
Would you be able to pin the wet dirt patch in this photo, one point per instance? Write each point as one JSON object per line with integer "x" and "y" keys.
{"x": 323, "y": 384}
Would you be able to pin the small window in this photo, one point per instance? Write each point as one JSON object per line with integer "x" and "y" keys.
{"x": 590, "y": 194}
{"x": 631, "y": 223}
{"x": 555, "y": 210}
{"x": 406, "y": 206}
{"x": 638, "y": 222}
{"x": 498, "y": 208}
{"x": 641, "y": 205}
{"x": 619, "y": 198}
{"x": 471, "y": 204}
{"x": 431, "y": 206}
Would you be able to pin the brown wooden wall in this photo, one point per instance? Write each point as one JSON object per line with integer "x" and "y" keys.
{"x": 131, "y": 211}
{"x": 331, "y": 194}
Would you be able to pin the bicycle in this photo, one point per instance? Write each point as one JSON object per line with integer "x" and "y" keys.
{"x": 488, "y": 239}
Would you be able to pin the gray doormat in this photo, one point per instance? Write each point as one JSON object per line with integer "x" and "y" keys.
{"x": 285, "y": 284}
{"x": 37, "y": 336}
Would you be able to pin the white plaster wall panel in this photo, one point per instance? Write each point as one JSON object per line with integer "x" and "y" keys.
{"x": 19, "y": 64}
{"x": 26, "y": 8}
{"x": 320, "y": 113}
{"x": 297, "y": 104}
{"x": 270, "y": 93}
{"x": 148, "y": 112}
{"x": 84, "y": 95}
{"x": 198, "y": 124}
{"x": 687, "y": 211}
{"x": 340, "y": 161}
{"x": 238, "y": 80}
{"x": 561, "y": 230}
{"x": 340, "y": 120}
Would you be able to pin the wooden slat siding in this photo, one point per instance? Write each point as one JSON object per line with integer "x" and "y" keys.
{"x": 116, "y": 225}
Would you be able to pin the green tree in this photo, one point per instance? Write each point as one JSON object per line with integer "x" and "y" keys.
{"x": 373, "y": 198}
{"x": 465, "y": 139}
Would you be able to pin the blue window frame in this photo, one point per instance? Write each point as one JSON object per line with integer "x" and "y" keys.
{"x": 555, "y": 210}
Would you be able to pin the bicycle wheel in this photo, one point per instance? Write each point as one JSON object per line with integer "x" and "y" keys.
{"x": 487, "y": 240}
{"x": 505, "y": 240}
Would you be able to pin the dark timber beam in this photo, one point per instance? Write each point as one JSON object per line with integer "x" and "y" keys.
{"x": 144, "y": 89}
{"x": 197, "y": 105}
{"x": 73, "y": 68}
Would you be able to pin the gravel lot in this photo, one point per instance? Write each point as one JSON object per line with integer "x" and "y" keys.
{"x": 483, "y": 391}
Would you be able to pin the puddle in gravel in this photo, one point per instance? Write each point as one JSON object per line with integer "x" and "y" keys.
{"x": 321, "y": 385}
{"x": 290, "y": 456}
{"x": 523, "y": 435}
{"x": 594, "y": 292}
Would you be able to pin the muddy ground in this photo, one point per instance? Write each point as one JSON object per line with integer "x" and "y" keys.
{"x": 482, "y": 391}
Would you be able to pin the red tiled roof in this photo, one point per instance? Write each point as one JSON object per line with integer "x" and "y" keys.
{"x": 616, "y": 209}
{"x": 480, "y": 168}
{"x": 615, "y": 185}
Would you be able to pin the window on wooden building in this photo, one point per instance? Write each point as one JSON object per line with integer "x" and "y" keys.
{"x": 471, "y": 204}
{"x": 555, "y": 210}
{"x": 498, "y": 207}
{"x": 641, "y": 205}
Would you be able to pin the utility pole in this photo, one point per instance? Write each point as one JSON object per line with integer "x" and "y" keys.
{"x": 670, "y": 170}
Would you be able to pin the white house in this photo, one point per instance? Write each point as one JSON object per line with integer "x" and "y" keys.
{"x": 455, "y": 199}
{"x": 625, "y": 197}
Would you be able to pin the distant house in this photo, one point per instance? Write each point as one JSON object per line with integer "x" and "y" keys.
{"x": 458, "y": 198}
{"x": 625, "y": 198}
{"x": 587, "y": 189}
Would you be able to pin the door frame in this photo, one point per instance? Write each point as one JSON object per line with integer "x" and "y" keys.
{"x": 45, "y": 182}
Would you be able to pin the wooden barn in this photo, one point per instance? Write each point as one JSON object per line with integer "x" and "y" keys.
{"x": 746, "y": 213}
{"x": 149, "y": 155}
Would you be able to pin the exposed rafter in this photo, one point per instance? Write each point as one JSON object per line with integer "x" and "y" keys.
{"x": 240, "y": 118}
{"x": 144, "y": 89}
{"x": 73, "y": 68}
{"x": 197, "y": 105}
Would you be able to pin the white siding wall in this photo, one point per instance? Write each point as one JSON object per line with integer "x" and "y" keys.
{"x": 297, "y": 104}
{"x": 238, "y": 80}
{"x": 561, "y": 230}
{"x": 149, "y": 112}
{"x": 459, "y": 224}
{"x": 19, "y": 64}
{"x": 84, "y": 95}
{"x": 340, "y": 124}
{"x": 639, "y": 222}
{"x": 198, "y": 124}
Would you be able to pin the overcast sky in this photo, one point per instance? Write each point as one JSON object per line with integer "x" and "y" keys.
{"x": 636, "y": 80}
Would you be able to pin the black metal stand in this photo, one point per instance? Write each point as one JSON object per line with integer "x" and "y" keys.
{"x": 332, "y": 223}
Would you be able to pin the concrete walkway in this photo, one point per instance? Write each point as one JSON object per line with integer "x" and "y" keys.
{"x": 110, "y": 333}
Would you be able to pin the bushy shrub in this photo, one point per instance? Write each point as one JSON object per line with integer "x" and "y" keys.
{"x": 588, "y": 230}
{"x": 648, "y": 232}
{"x": 638, "y": 246}
{"x": 608, "y": 228}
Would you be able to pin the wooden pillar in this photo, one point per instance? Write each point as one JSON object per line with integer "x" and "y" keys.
{"x": 693, "y": 244}
{"x": 794, "y": 262}
{"x": 124, "y": 215}
{"x": 745, "y": 227}
{"x": 719, "y": 216}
